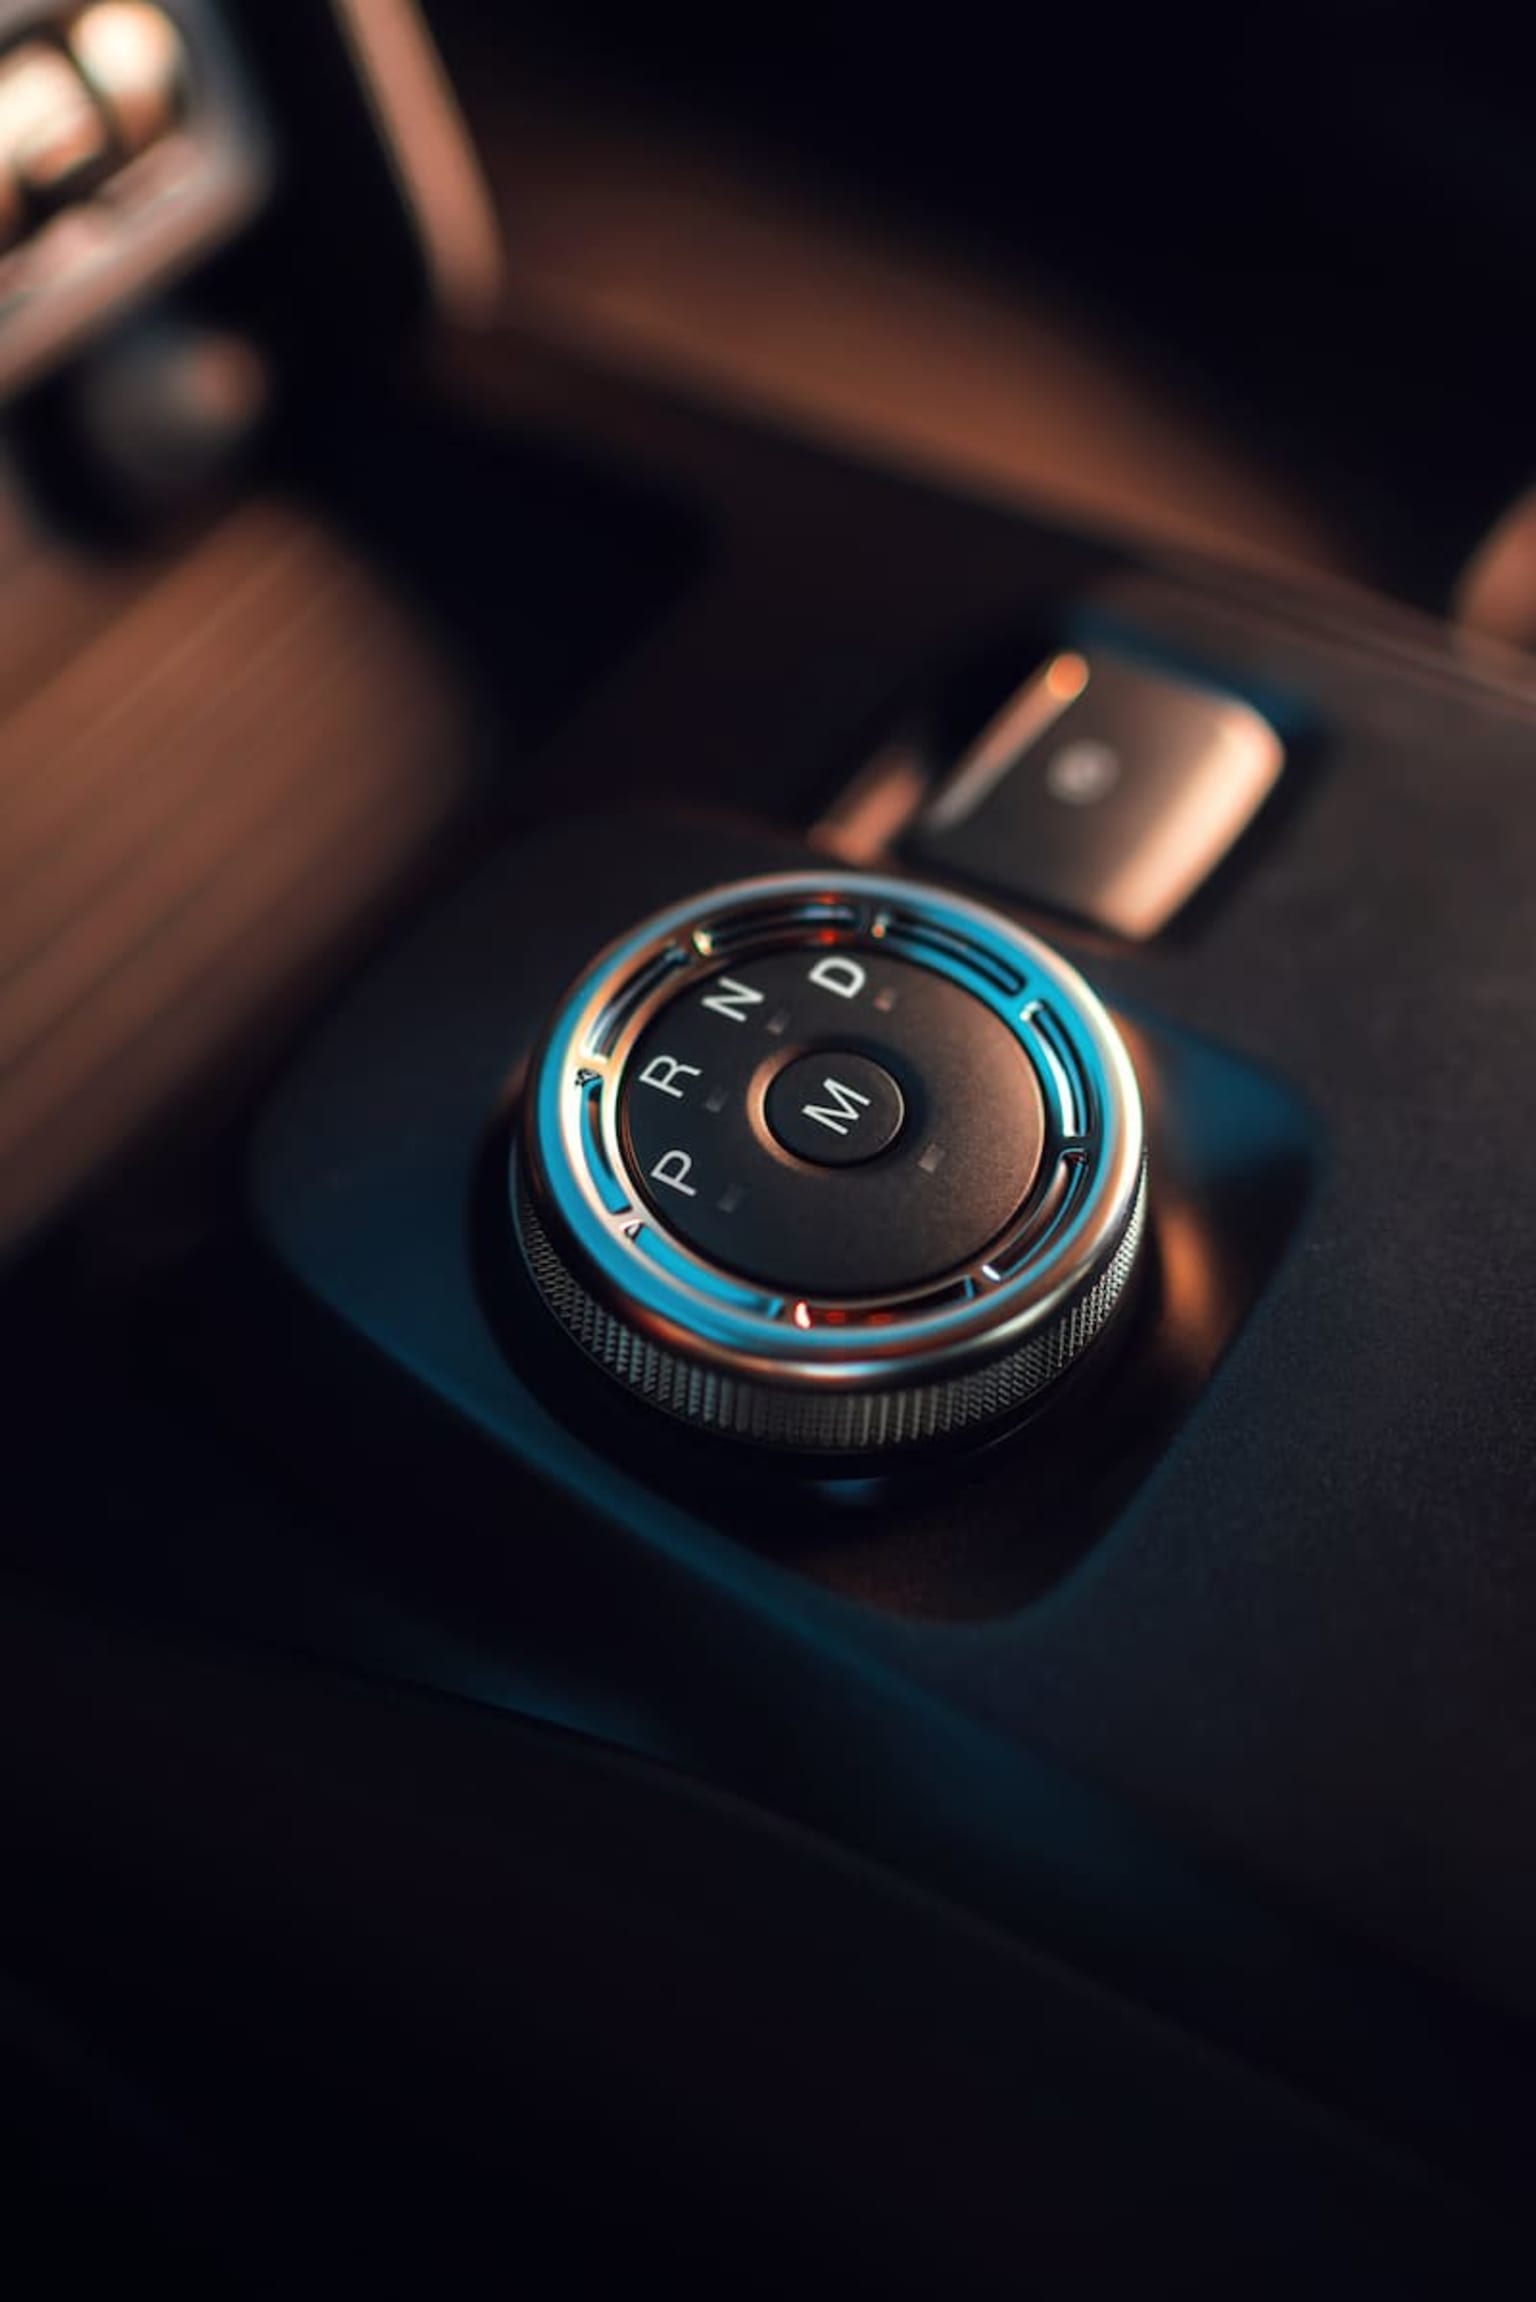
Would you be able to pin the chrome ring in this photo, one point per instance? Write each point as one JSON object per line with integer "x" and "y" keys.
{"x": 580, "y": 1208}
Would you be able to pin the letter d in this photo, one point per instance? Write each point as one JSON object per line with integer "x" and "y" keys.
{"x": 844, "y": 976}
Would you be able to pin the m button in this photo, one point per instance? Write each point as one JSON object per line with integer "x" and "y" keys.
{"x": 835, "y": 1110}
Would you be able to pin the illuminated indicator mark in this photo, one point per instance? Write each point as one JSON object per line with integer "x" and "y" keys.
{"x": 1067, "y": 677}
{"x": 932, "y": 1159}
{"x": 716, "y": 1099}
{"x": 730, "y": 1200}
{"x": 801, "y": 1314}
{"x": 1083, "y": 773}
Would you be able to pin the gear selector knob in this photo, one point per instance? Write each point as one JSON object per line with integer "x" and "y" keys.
{"x": 833, "y": 1163}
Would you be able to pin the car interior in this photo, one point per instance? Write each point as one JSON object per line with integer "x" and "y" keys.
{"x": 767, "y": 891}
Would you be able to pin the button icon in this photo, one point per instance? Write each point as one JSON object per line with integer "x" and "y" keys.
{"x": 1082, "y": 773}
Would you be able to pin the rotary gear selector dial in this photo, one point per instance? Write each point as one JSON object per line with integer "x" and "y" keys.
{"x": 832, "y": 1162}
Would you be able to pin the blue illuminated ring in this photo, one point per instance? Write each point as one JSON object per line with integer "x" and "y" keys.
{"x": 621, "y": 1270}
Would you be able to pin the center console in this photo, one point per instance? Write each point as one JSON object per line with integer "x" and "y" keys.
{"x": 927, "y": 1238}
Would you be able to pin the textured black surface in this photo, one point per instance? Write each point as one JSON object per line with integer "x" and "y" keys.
{"x": 395, "y": 1919}
{"x": 1312, "y": 1641}
{"x": 841, "y": 1424}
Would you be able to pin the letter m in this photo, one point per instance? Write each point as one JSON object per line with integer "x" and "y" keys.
{"x": 840, "y": 1113}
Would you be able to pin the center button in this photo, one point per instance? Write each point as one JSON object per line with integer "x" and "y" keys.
{"x": 835, "y": 1110}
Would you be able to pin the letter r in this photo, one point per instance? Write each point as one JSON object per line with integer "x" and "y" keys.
{"x": 662, "y": 1070}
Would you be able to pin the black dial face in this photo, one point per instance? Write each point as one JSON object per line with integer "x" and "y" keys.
{"x": 832, "y": 1121}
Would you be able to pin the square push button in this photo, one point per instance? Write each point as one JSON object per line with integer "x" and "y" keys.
{"x": 1102, "y": 788}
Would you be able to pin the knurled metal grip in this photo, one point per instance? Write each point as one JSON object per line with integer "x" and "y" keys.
{"x": 831, "y": 1162}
